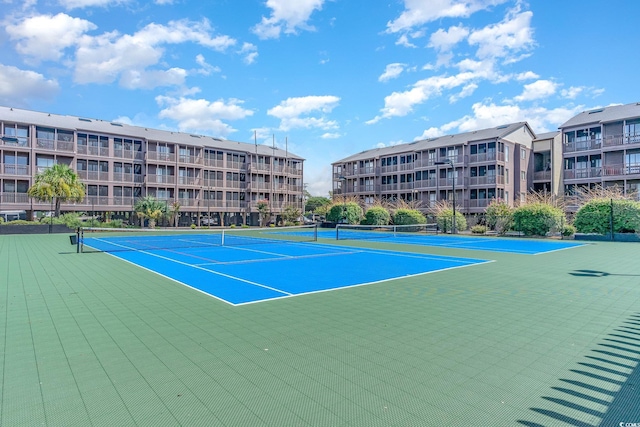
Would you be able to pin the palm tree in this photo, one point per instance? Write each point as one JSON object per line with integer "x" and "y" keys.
{"x": 58, "y": 183}
{"x": 151, "y": 208}
{"x": 175, "y": 211}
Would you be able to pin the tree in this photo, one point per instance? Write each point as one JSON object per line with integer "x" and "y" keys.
{"x": 58, "y": 183}
{"x": 313, "y": 203}
{"x": 150, "y": 208}
{"x": 376, "y": 215}
{"x": 175, "y": 210}
{"x": 346, "y": 213}
{"x": 290, "y": 215}
{"x": 263, "y": 211}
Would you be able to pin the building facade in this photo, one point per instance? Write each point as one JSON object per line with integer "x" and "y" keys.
{"x": 471, "y": 168}
{"x": 602, "y": 147}
{"x": 211, "y": 178}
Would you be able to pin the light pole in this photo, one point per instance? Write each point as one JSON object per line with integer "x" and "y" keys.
{"x": 343, "y": 181}
{"x": 453, "y": 176}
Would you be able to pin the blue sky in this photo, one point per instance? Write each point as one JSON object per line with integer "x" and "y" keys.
{"x": 325, "y": 78}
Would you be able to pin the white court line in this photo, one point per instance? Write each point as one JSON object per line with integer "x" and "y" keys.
{"x": 251, "y": 261}
{"x": 360, "y": 284}
{"x": 228, "y": 276}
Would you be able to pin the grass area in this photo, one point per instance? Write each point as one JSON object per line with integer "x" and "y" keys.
{"x": 545, "y": 340}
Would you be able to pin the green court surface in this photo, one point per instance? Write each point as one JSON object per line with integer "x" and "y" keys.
{"x": 545, "y": 340}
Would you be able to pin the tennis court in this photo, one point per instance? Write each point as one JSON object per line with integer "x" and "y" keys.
{"x": 425, "y": 236}
{"x": 548, "y": 340}
{"x": 247, "y": 266}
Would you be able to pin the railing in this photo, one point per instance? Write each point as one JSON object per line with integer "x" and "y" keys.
{"x": 21, "y": 198}
{"x": 583, "y": 173}
{"x": 479, "y": 203}
{"x": 190, "y": 159}
{"x": 426, "y": 183}
{"x": 15, "y": 169}
{"x": 214, "y": 163}
{"x": 161, "y": 157}
{"x": 236, "y": 165}
{"x": 259, "y": 186}
{"x": 187, "y": 180}
{"x": 589, "y": 144}
{"x": 213, "y": 183}
{"x": 260, "y": 167}
{"x": 406, "y": 186}
{"x": 486, "y": 157}
{"x": 128, "y": 154}
{"x": 389, "y": 187}
{"x": 614, "y": 140}
{"x": 160, "y": 179}
{"x": 14, "y": 141}
{"x": 127, "y": 177}
{"x": 615, "y": 170}
{"x": 542, "y": 176}
{"x": 485, "y": 180}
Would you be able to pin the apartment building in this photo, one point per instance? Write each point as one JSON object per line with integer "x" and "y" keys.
{"x": 547, "y": 163}
{"x": 211, "y": 178}
{"x": 471, "y": 168}
{"x": 602, "y": 147}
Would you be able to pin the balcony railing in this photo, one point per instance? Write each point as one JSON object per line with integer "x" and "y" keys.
{"x": 589, "y": 144}
{"x": 21, "y": 198}
{"x": 615, "y": 140}
{"x": 426, "y": 183}
{"x": 161, "y": 157}
{"x": 160, "y": 179}
{"x": 542, "y": 176}
{"x": 21, "y": 170}
{"x": 127, "y": 177}
{"x": 14, "y": 141}
{"x": 128, "y": 154}
{"x": 214, "y": 163}
{"x": 583, "y": 173}
{"x": 616, "y": 170}
{"x": 485, "y": 180}
{"x": 187, "y": 180}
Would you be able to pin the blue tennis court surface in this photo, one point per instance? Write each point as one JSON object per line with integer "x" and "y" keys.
{"x": 480, "y": 243}
{"x": 251, "y": 273}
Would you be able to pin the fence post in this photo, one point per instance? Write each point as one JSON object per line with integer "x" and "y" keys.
{"x": 611, "y": 219}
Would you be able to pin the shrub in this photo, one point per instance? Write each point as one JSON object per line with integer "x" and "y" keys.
{"x": 499, "y": 216}
{"x": 538, "y": 219}
{"x": 568, "y": 230}
{"x": 193, "y": 226}
{"x": 352, "y": 210}
{"x": 595, "y": 216}
{"x": 409, "y": 217}
{"x": 479, "y": 229}
{"x": 21, "y": 222}
{"x": 444, "y": 219}
{"x": 376, "y": 215}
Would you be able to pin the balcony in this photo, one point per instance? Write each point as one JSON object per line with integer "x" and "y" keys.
{"x": 542, "y": 176}
{"x": 491, "y": 156}
{"x": 128, "y": 154}
{"x": 216, "y": 163}
{"x": 21, "y": 198}
{"x": 256, "y": 186}
{"x": 260, "y": 167}
{"x": 617, "y": 140}
{"x": 127, "y": 201}
{"x": 485, "y": 180}
{"x": 618, "y": 170}
{"x": 583, "y": 173}
{"x": 212, "y": 183}
{"x": 426, "y": 183}
{"x": 479, "y": 203}
{"x": 236, "y": 165}
{"x": 127, "y": 177}
{"x": 21, "y": 170}
{"x": 160, "y": 179}
{"x": 14, "y": 141}
{"x": 93, "y": 175}
{"x": 161, "y": 157}
{"x": 589, "y": 144}
{"x": 188, "y": 180}
{"x": 194, "y": 160}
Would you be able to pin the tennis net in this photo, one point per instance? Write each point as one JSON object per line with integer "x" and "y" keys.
{"x": 358, "y": 232}
{"x": 93, "y": 239}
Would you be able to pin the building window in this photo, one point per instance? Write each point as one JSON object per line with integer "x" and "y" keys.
{"x": 523, "y": 175}
{"x": 523, "y": 153}
{"x": 506, "y": 153}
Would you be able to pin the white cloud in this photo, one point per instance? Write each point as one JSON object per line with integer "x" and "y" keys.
{"x": 205, "y": 68}
{"x": 511, "y": 35}
{"x": 490, "y": 115}
{"x": 291, "y": 110}
{"x": 402, "y": 103}
{"x": 403, "y": 40}
{"x": 572, "y": 92}
{"x": 330, "y": 135}
{"x": 80, "y": 4}
{"x": 44, "y": 37}
{"x": 250, "y": 52}
{"x": 527, "y": 75}
{"x": 149, "y": 79}
{"x": 444, "y": 40}
{"x": 201, "y": 115}
{"x": 287, "y": 16}
{"x": 466, "y": 91}
{"x": 105, "y": 58}
{"x": 17, "y": 85}
{"x": 537, "y": 90}
{"x": 392, "y": 71}
{"x": 432, "y": 132}
{"x": 419, "y": 12}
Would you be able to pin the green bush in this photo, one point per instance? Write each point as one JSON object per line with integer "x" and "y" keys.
{"x": 568, "y": 230}
{"x": 376, "y": 215}
{"x": 21, "y": 222}
{"x": 409, "y": 217}
{"x": 499, "y": 216}
{"x": 352, "y": 210}
{"x": 595, "y": 216}
{"x": 479, "y": 229}
{"x": 538, "y": 219}
{"x": 444, "y": 220}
